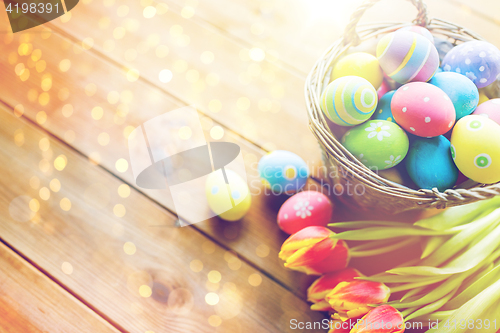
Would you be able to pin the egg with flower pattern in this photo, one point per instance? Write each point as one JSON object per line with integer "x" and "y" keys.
{"x": 305, "y": 209}
{"x": 475, "y": 148}
{"x": 378, "y": 144}
{"x": 478, "y": 60}
{"x": 282, "y": 171}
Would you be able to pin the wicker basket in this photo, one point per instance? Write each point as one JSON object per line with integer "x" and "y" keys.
{"x": 378, "y": 192}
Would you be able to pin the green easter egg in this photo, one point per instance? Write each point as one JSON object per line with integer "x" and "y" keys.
{"x": 378, "y": 144}
{"x": 349, "y": 100}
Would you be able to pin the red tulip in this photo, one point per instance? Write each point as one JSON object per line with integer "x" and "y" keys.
{"x": 312, "y": 251}
{"x": 352, "y": 299}
{"x": 382, "y": 319}
{"x": 325, "y": 284}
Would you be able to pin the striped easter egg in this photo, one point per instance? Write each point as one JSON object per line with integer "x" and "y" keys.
{"x": 406, "y": 56}
{"x": 349, "y": 100}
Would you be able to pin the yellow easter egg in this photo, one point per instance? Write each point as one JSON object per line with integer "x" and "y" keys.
{"x": 230, "y": 201}
{"x": 482, "y": 98}
{"x": 475, "y": 148}
{"x": 360, "y": 64}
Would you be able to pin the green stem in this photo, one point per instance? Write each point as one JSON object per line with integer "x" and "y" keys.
{"x": 355, "y": 253}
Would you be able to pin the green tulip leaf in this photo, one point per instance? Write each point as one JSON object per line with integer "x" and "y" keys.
{"x": 459, "y": 215}
{"x": 474, "y": 309}
{"x": 475, "y": 288}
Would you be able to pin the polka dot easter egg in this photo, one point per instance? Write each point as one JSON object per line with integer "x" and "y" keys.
{"x": 283, "y": 171}
{"x": 305, "y": 209}
{"x": 384, "y": 107}
{"x": 475, "y": 148}
{"x": 360, "y": 64}
{"x": 406, "y": 56}
{"x": 429, "y": 164}
{"x": 490, "y": 109}
{"x": 419, "y": 30}
{"x": 378, "y": 144}
{"x": 349, "y": 100}
{"x": 478, "y": 60}
{"x": 460, "y": 89}
{"x": 230, "y": 201}
{"x": 423, "y": 109}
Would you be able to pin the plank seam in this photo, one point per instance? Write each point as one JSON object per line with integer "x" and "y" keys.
{"x": 166, "y": 209}
{"x": 62, "y": 286}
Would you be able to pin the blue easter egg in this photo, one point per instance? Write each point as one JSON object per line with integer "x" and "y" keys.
{"x": 478, "y": 60}
{"x": 383, "y": 111}
{"x": 460, "y": 89}
{"x": 283, "y": 171}
{"x": 430, "y": 165}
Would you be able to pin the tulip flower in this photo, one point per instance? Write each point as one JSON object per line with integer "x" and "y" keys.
{"x": 325, "y": 284}
{"x": 382, "y": 319}
{"x": 339, "y": 326}
{"x": 313, "y": 251}
{"x": 352, "y": 299}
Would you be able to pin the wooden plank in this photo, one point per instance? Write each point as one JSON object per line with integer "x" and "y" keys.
{"x": 31, "y": 302}
{"x": 299, "y": 31}
{"x": 489, "y": 10}
{"x": 259, "y": 100}
{"x": 138, "y": 103}
{"x": 144, "y": 278}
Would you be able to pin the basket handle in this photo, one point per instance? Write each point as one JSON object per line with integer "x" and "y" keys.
{"x": 350, "y": 34}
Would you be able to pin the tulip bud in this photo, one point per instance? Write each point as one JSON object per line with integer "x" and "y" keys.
{"x": 353, "y": 298}
{"x": 382, "y": 319}
{"x": 313, "y": 251}
{"x": 325, "y": 284}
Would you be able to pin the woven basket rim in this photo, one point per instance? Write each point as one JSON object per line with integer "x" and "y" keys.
{"x": 318, "y": 78}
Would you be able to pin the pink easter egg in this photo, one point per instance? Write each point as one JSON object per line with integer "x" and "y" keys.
{"x": 384, "y": 88}
{"x": 423, "y": 109}
{"x": 419, "y": 30}
{"x": 305, "y": 209}
{"x": 489, "y": 109}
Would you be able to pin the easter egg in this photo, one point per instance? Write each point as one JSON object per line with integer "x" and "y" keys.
{"x": 489, "y": 109}
{"x": 478, "y": 60}
{"x": 283, "y": 171}
{"x": 406, "y": 56}
{"x": 349, "y": 100}
{"x": 443, "y": 46}
{"x": 305, "y": 209}
{"x": 383, "y": 111}
{"x": 460, "y": 89}
{"x": 384, "y": 89}
{"x": 360, "y": 64}
{"x": 419, "y": 30}
{"x": 475, "y": 148}
{"x": 482, "y": 98}
{"x": 429, "y": 164}
{"x": 230, "y": 201}
{"x": 423, "y": 109}
{"x": 378, "y": 144}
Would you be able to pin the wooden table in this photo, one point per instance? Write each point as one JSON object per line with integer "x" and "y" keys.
{"x": 79, "y": 249}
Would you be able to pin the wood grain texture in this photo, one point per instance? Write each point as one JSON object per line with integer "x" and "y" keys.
{"x": 138, "y": 103}
{"x": 260, "y": 100}
{"x": 30, "y": 302}
{"x": 140, "y": 276}
{"x": 299, "y": 31}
